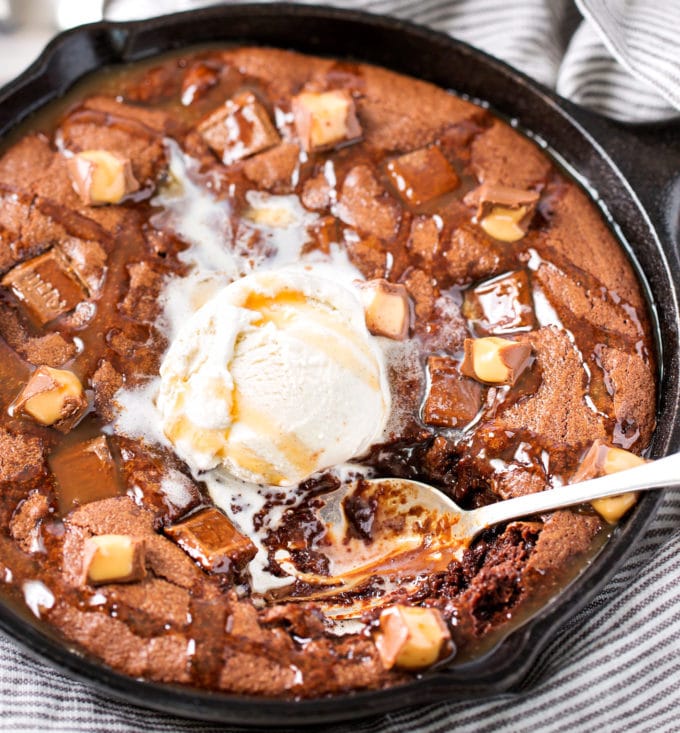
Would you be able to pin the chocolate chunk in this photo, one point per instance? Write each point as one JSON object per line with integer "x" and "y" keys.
{"x": 213, "y": 541}
{"x": 85, "y": 472}
{"x": 46, "y": 286}
{"x": 387, "y": 308}
{"x": 422, "y": 175}
{"x": 489, "y": 195}
{"x": 101, "y": 177}
{"x": 103, "y": 123}
{"x": 155, "y": 481}
{"x": 503, "y": 212}
{"x": 324, "y": 120}
{"x": 501, "y": 305}
{"x": 453, "y": 400}
{"x": 52, "y": 397}
{"x": 411, "y": 637}
{"x": 593, "y": 463}
{"x": 239, "y": 128}
{"x": 494, "y": 360}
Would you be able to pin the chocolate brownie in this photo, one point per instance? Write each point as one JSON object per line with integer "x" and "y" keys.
{"x": 513, "y": 330}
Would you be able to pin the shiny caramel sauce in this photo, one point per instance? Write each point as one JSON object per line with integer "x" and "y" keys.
{"x": 463, "y": 461}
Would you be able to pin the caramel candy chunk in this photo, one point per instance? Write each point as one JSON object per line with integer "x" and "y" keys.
{"x": 84, "y": 472}
{"x": 601, "y": 460}
{"x": 503, "y": 212}
{"x": 501, "y": 305}
{"x": 113, "y": 558}
{"x": 453, "y": 400}
{"x": 325, "y": 119}
{"x": 213, "y": 541}
{"x": 239, "y": 128}
{"x": 46, "y": 286}
{"x": 411, "y": 637}
{"x": 52, "y": 397}
{"x": 422, "y": 175}
{"x": 386, "y": 307}
{"x": 101, "y": 177}
{"x": 495, "y": 360}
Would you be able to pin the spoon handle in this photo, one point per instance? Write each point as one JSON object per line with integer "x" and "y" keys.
{"x": 664, "y": 472}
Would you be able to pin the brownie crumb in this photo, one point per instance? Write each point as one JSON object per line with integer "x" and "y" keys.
{"x": 21, "y": 457}
{"x": 106, "y": 381}
{"x": 25, "y": 524}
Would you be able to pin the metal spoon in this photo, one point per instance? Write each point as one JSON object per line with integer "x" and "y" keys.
{"x": 411, "y": 524}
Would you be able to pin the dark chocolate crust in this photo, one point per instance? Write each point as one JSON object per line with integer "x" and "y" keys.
{"x": 592, "y": 375}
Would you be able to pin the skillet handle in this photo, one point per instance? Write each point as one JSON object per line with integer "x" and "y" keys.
{"x": 648, "y": 156}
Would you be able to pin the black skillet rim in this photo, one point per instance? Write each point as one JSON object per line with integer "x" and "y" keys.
{"x": 512, "y": 94}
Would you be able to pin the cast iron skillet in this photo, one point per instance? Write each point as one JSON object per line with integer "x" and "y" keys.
{"x": 635, "y": 171}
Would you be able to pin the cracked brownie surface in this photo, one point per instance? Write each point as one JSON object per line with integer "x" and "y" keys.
{"x": 452, "y": 217}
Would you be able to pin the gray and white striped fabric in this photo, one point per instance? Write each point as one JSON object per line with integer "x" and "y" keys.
{"x": 615, "y": 666}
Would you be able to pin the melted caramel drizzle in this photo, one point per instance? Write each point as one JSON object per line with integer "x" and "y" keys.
{"x": 296, "y": 452}
{"x": 285, "y": 308}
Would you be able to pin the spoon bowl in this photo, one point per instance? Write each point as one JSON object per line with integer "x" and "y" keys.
{"x": 390, "y": 527}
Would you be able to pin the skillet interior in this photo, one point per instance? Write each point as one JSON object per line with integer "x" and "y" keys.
{"x": 646, "y": 217}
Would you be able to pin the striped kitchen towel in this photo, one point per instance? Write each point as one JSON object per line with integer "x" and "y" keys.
{"x": 616, "y": 665}
{"x": 618, "y": 57}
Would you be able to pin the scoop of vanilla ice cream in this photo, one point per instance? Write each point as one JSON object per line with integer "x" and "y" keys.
{"x": 274, "y": 378}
